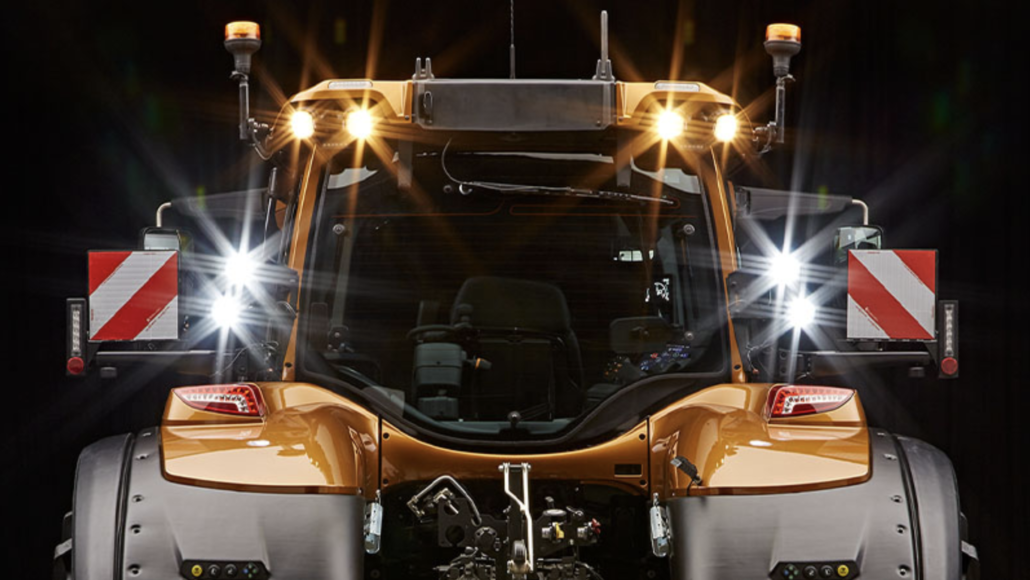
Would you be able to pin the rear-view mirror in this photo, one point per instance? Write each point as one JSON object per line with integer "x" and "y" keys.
{"x": 855, "y": 238}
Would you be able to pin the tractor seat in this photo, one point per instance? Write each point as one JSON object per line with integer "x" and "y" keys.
{"x": 523, "y": 328}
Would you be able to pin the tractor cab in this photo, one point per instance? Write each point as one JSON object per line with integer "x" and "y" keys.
{"x": 515, "y": 329}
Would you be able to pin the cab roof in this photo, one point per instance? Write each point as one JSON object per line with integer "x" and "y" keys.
{"x": 515, "y": 104}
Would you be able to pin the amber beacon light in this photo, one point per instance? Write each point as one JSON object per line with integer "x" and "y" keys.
{"x": 782, "y": 41}
{"x": 787, "y": 32}
{"x": 242, "y": 39}
{"x": 242, "y": 30}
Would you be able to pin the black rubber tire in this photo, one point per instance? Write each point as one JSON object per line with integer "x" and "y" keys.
{"x": 95, "y": 528}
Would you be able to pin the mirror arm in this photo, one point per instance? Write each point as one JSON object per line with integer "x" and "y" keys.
{"x": 865, "y": 210}
{"x": 158, "y": 221}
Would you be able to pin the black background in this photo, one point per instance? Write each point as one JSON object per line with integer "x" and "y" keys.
{"x": 918, "y": 108}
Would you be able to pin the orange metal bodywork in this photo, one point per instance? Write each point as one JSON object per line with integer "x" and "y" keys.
{"x": 312, "y": 440}
{"x": 724, "y": 432}
{"x": 715, "y": 185}
{"x": 632, "y": 100}
{"x": 407, "y": 459}
{"x": 393, "y": 97}
{"x": 299, "y": 246}
{"x": 393, "y": 102}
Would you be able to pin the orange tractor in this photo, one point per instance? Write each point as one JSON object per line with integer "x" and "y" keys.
{"x": 503, "y": 329}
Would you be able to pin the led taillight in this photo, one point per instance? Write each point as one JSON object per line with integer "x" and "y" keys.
{"x": 796, "y": 400}
{"x": 230, "y": 399}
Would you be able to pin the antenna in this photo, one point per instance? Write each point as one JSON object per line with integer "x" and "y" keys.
{"x": 603, "y": 72}
{"x": 511, "y": 47}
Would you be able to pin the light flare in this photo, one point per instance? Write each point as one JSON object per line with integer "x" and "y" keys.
{"x": 801, "y": 312}
{"x": 226, "y": 311}
{"x": 726, "y": 128}
{"x": 785, "y": 269}
{"x": 360, "y": 123}
{"x": 302, "y": 124}
{"x": 670, "y": 125}
{"x": 240, "y": 268}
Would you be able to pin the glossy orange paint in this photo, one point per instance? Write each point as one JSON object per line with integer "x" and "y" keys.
{"x": 393, "y": 97}
{"x": 724, "y": 432}
{"x": 634, "y": 100}
{"x": 724, "y": 238}
{"x": 310, "y": 441}
{"x": 302, "y": 228}
{"x": 314, "y": 441}
{"x": 406, "y": 459}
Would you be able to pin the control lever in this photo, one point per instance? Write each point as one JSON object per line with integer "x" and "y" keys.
{"x": 445, "y": 496}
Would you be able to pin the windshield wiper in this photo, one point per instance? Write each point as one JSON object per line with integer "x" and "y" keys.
{"x": 518, "y": 189}
{"x": 466, "y": 188}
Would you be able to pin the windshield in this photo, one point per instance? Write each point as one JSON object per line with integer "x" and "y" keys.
{"x": 507, "y": 295}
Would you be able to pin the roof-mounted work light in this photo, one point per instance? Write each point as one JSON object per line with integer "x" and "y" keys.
{"x": 784, "y": 269}
{"x": 670, "y": 125}
{"x": 801, "y": 312}
{"x": 359, "y": 123}
{"x": 240, "y": 268}
{"x": 302, "y": 124}
{"x": 226, "y": 310}
{"x": 726, "y": 127}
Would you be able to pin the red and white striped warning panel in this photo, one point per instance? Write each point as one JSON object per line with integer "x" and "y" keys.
{"x": 134, "y": 295}
{"x": 892, "y": 294}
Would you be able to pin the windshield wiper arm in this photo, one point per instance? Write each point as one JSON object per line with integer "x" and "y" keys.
{"x": 563, "y": 191}
{"x": 517, "y": 189}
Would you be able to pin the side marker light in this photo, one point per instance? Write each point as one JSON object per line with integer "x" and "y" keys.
{"x": 947, "y": 337}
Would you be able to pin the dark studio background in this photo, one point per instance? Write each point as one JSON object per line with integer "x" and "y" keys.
{"x": 917, "y": 108}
